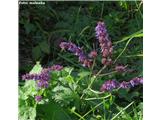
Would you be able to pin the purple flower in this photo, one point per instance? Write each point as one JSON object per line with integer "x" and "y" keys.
{"x": 38, "y": 98}
{"x": 30, "y": 77}
{"x": 93, "y": 54}
{"x": 105, "y": 43}
{"x": 109, "y": 85}
{"x": 43, "y": 77}
{"x": 112, "y": 84}
{"x": 120, "y": 68}
{"x": 78, "y": 52}
{"x": 57, "y": 67}
{"x": 42, "y": 84}
{"x": 101, "y": 30}
{"x": 125, "y": 85}
{"x": 136, "y": 81}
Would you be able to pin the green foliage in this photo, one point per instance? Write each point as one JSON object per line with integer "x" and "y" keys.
{"x": 52, "y": 111}
{"x": 27, "y": 105}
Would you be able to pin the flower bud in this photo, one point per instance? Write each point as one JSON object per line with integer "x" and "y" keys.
{"x": 38, "y": 98}
{"x": 93, "y": 54}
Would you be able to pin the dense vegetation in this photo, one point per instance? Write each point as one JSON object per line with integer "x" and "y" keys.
{"x": 73, "y": 91}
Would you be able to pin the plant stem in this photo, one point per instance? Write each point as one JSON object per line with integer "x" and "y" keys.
{"x": 98, "y": 98}
{"x": 77, "y": 114}
{"x": 92, "y": 109}
{"x": 101, "y": 70}
{"x": 107, "y": 73}
{"x": 122, "y": 110}
{"x": 93, "y": 64}
{"x": 96, "y": 92}
{"x": 93, "y": 79}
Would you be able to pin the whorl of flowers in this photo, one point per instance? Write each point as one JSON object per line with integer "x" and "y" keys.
{"x": 78, "y": 52}
{"x": 42, "y": 78}
{"x": 120, "y": 68}
{"x": 38, "y": 98}
{"x": 105, "y": 43}
{"x": 93, "y": 54}
{"x": 109, "y": 85}
{"x": 112, "y": 84}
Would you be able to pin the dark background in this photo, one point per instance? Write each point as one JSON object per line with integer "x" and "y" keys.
{"x": 43, "y": 27}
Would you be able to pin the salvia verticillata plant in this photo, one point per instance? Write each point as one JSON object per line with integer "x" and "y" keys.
{"x": 58, "y": 84}
{"x": 87, "y": 61}
{"x": 106, "y": 51}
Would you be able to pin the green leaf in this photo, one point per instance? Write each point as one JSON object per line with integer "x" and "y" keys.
{"x": 68, "y": 70}
{"x": 44, "y": 47}
{"x": 36, "y": 52}
{"x": 29, "y": 27}
{"x": 69, "y": 79}
{"x": 30, "y": 88}
{"x": 27, "y": 113}
{"x": 36, "y": 69}
{"x": 84, "y": 74}
{"x": 55, "y": 75}
{"x": 52, "y": 111}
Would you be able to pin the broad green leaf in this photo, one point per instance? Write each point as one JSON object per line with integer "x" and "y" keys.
{"x": 29, "y": 27}
{"x": 84, "y": 74}
{"x": 45, "y": 47}
{"x": 52, "y": 111}
{"x": 36, "y": 69}
{"x": 27, "y": 113}
{"x": 36, "y": 52}
{"x": 30, "y": 88}
{"x": 69, "y": 79}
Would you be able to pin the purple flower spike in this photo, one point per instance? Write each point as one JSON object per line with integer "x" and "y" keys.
{"x": 125, "y": 85}
{"x": 42, "y": 84}
{"x": 105, "y": 43}
{"x": 93, "y": 54}
{"x": 78, "y": 52}
{"x": 30, "y": 77}
{"x": 120, "y": 68}
{"x": 38, "y": 98}
{"x": 57, "y": 67}
{"x": 136, "y": 81}
{"x": 112, "y": 84}
{"x": 109, "y": 85}
{"x": 44, "y": 77}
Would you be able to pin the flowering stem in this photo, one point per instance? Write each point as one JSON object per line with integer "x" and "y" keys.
{"x": 107, "y": 73}
{"x": 92, "y": 109}
{"x": 101, "y": 70}
{"x": 96, "y": 92}
{"x": 98, "y": 97}
{"x": 77, "y": 114}
{"x": 93, "y": 79}
{"x": 93, "y": 64}
{"x": 122, "y": 110}
{"x": 123, "y": 50}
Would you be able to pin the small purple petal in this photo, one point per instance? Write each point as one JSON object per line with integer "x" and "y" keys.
{"x": 38, "y": 98}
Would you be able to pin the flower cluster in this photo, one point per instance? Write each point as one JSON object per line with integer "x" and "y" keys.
{"x": 42, "y": 78}
{"x": 93, "y": 54}
{"x": 120, "y": 68}
{"x": 78, "y": 52}
{"x": 109, "y": 85}
{"x": 112, "y": 84}
{"x": 105, "y": 43}
{"x": 38, "y": 98}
